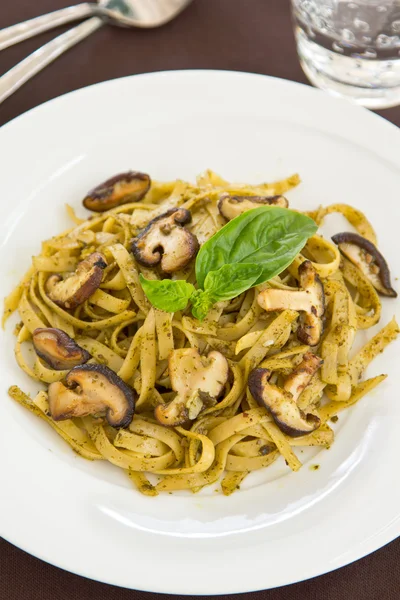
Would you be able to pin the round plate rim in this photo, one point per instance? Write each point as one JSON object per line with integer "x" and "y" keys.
{"x": 371, "y": 544}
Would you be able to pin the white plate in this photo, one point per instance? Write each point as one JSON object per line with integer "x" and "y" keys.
{"x": 281, "y": 527}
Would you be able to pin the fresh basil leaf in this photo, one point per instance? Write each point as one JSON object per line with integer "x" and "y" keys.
{"x": 231, "y": 280}
{"x": 167, "y": 294}
{"x": 268, "y": 236}
{"x": 201, "y": 304}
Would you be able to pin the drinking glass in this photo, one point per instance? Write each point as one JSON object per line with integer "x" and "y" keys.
{"x": 351, "y": 49}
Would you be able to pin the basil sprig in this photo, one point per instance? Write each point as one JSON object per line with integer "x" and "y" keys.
{"x": 249, "y": 250}
{"x": 167, "y": 294}
{"x": 268, "y": 236}
{"x": 226, "y": 283}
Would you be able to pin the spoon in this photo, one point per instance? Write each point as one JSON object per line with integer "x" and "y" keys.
{"x": 125, "y": 13}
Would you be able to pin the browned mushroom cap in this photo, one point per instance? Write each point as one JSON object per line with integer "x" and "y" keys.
{"x": 198, "y": 381}
{"x": 58, "y": 349}
{"x": 368, "y": 259}
{"x": 232, "y": 206}
{"x": 301, "y": 376}
{"x": 92, "y": 390}
{"x": 281, "y": 405}
{"x": 166, "y": 241}
{"x": 120, "y": 189}
{"x": 79, "y": 286}
{"x": 310, "y": 301}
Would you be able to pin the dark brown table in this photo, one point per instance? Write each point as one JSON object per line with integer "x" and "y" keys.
{"x": 244, "y": 35}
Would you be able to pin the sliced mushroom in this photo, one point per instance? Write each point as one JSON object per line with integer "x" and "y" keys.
{"x": 58, "y": 349}
{"x": 198, "y": 381}
{"x": 79, "y": 286}
{"x": 166, "y": 241}
{"x": 120, "y": 189}
{"x": 364, "y": 255}
{"x": 281, "y": 405}
{"x": 311, "y": 321}
{"x": 233, "y": 206}
{"x": 310, "y": 301}
{"x": 92, "y": 390}
{"x": 301, "y": 376}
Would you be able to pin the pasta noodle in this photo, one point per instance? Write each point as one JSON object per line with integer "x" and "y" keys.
{"x": 228, "y": 435}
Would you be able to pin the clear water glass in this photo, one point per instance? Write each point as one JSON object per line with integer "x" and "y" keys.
{"x": 351, "y": 49}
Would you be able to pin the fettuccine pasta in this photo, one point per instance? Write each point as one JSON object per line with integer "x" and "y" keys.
{"x": 177, "y": 401}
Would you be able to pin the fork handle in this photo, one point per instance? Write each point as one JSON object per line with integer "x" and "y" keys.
{"x": 22, "y": 31}
{"x": 35, "y": 62}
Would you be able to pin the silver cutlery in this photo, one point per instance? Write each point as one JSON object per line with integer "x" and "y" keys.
{"x": 125, "y": 13}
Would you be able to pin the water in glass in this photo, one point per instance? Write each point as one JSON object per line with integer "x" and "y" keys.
{"x": 351, "y": 48}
